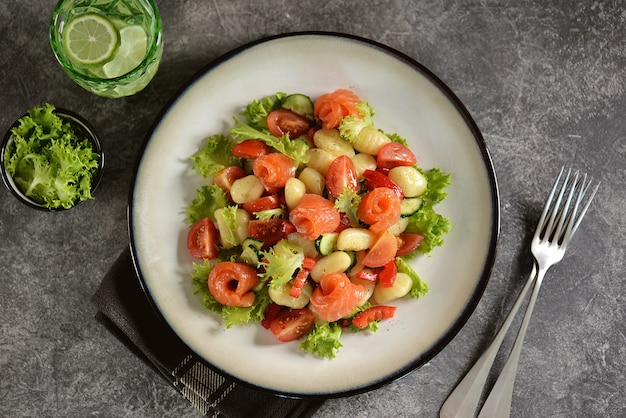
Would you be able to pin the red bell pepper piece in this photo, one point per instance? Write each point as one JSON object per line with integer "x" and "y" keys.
{"x": 301, "y": 277}
{"x": 375, "y": 313}
{"x": 308, "y": 263}
{"x": 367, "y": 274}
{"x": 387, "y": 274}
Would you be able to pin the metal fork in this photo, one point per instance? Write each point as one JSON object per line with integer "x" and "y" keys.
{"x": 555, "y": 229}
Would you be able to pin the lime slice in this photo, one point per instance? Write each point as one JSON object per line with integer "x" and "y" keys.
{"x": 132, "y": 50}
{"x": 90, "y": 39}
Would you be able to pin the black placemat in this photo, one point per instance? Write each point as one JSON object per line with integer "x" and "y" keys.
{"x": 125, "y": 310}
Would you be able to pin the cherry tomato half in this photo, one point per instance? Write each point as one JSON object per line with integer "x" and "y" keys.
{"x": 251, "y": 148}
{"x": 283, "y": 121}
{"x": 409, "y": 241}
{"x": 394, "y": 154}
{"x": 341, "y": 175}
{"x": 292, "y": 324}
{"x": 271, "y": 312}
{"x": 383, "y": 251}
{"x": 270, "y": 231}
{"x": 264, "y": 203}
{"x": 374, "y": 179}
{"x": 227, "y": 176}
{"x": 202, "y": 239}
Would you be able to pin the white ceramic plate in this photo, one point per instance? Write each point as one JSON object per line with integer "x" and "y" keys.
{"x": 408, "y": 100}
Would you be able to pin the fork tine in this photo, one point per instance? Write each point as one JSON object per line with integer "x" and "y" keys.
{"x": 582, "y": 190}
{"x": 546, "y": 208}
{"x": 545, "y": 231}
{"x": 563, "y": 217}
{"x": 573, "y": 226}
{"x": 567, "y": 222}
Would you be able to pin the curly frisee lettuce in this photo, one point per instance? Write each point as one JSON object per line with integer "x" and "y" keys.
{"x": 49, "y": 160}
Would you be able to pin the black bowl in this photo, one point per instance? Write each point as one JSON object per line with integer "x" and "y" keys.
{"x": 83, "y": 129}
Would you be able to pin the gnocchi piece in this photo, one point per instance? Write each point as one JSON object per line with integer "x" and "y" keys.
{"x": 294, "y": 190}
{"x": 307, "y": 245}
{"x": 399, "y": 227}
{"x": 331, "y": 141}
{"x": 246, "y": 189}
{"x": 368, "y": 286}
{"x": 355, "y": 239}
{"x": 320, "y": 159}
{"x": 401, "y": 287}
{"x": 313, "y": 180}
{"x": 335, "y": 262}
{"x": 228, "y": 238}
{"x": 409, "y": 179}
{"x": 282, "y": 297}
{"x": 363, "y": 162}
{"x": 370, "y": 140}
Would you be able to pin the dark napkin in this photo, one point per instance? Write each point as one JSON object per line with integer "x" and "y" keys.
{"x": 124, "y": 309}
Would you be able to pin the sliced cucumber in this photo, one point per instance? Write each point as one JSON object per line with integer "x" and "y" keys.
{"x": 326, "y": 243}
{"x": 300, "y": 104}
{"x": 352, "y": 255}
{"x": 410, "y": 205}
{"x": 251, "y": 251}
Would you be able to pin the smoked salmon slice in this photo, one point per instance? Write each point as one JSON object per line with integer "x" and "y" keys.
{"x": 380, "y": 208}
{"x": 336, "y": 297}
{"x": 314, "y": 215}
{"x": 330, "y": 108}
{"x": 231, "y": 283}
{"x": 274, "y": 169}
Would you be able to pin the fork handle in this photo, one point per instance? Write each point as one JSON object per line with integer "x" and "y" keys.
{"x": 498, "y": 403}
{"x": 462, "y": 401}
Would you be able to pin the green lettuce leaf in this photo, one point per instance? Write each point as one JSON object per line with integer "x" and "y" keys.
{"x": 256, "y": 112}
{"x": 437, "y": 183}
{"x": 199, "y": 278}
{"x": 431, "y": 224}
{"x": 208, "y": 199}
{"x": 323, "y": 340}
{"x": 296, "y": 148}
{"x": 427, "y": 221}
{"x": 351, "y": 126}
{"x": 397, "y": 138}
{"x": 348, "y": 204}
{"x": 233, "y": 315}
{"x": 264, "y": 215}
{"x": 420, "y": 287}
{"x": 281, "y": 262}
{"x": 215, "y": 155}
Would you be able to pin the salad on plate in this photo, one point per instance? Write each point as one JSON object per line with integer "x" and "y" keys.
{"x": 308, "y": 219}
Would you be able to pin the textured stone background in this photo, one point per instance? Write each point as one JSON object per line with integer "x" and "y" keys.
{"x": 545, "y": 82}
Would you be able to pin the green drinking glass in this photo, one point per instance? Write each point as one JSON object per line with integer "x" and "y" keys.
{"x": 111, "y": 48}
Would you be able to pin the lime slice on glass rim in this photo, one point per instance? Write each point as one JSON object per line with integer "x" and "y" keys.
{"x": 132, "y": 50}
{"x": 90, "y": 39}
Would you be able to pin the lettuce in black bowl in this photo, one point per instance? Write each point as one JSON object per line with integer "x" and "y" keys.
{"x": 51, "y": 159}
